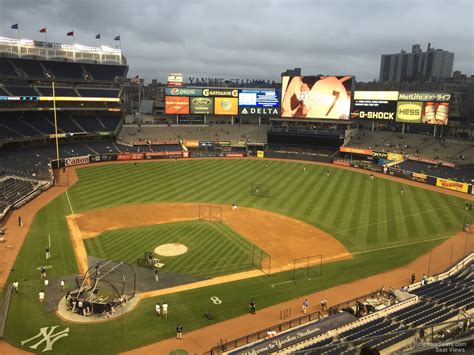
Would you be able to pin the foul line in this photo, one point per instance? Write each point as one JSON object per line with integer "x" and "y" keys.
{"x": 400, "y": 245}
{"x": 70, "y": 205}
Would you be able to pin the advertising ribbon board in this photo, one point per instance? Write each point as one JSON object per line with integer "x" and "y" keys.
{"x": 260, "y": 154}
{"x": 356, "y": 150}
{"x": 452, "y": 185}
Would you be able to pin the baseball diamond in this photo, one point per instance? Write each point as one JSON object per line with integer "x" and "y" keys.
{"x": 168, "y": 187}
{"x": 121, "y": 223}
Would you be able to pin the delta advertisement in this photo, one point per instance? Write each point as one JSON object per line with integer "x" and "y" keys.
{"x": 375, "y": 105}
{"x": 323, "y": 97}
{"x": 423, "y": 107}
{"x": 258, "y": 102}
{"x": 177, "y": 105}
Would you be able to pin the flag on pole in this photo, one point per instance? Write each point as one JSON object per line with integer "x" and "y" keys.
{"x": 97, "y": 36}
{"x": 42, "y": 30}
{"x": 71, "y": 33}
{"x": 117, "y": 38}
{"x": 14, "y": 27}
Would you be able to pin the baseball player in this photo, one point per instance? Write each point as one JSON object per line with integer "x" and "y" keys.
{"x": 157, "y": 275}
{"x": 62, "y": 284}
{"x": 164, "y": 307}
{"x": 179, "y": 332}
{"x": 41, "y": 296}
{"x": 48, "y": 253}
{"x": 305, "y": 305}
{"x": 158, "y": 310}
{"x": 15, "y": 286}
{"x": 253, "y": 307}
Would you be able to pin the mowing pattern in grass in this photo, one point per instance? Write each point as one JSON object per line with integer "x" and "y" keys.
{"x": 361, "y": 213}
{"x": 213, "y": 248}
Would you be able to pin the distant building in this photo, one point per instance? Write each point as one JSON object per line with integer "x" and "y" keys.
{"x": 432, "y": 65}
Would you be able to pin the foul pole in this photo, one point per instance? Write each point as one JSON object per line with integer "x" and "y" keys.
{"x": 55, "y": 126}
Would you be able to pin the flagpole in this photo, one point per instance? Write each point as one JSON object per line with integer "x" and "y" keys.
{"x": 55, "y": 124}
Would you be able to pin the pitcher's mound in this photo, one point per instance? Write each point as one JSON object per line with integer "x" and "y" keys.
{"x": 171, "y": 249}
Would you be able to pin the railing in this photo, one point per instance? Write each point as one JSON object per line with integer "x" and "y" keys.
{"x": 225, "y": 345}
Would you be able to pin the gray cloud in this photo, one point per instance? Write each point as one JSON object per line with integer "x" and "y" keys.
{"x": 250, "y": 38}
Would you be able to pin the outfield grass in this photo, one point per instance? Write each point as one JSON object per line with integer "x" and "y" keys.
{"x": 213, "y": 248}
{"x": 361, "y": 213}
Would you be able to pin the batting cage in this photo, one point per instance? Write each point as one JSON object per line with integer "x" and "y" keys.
{"x": 210, "y": 213}
{"x": 307, "y": 267}
{"x": 261, "y": 260}
{"x": 260, "y": 189}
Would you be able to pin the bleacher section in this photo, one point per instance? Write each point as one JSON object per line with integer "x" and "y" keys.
{"x": 59, "y": 91}
{"x": 463, "y": 174}
{"x": 456, "y": 151}
{"x": 392, "y": 328}
{"x": 98, "y": 93}
{"x": 65, "y": 70}
{"x": 105, "y": 72}
{"x": 7, "y": 69}
{"x": 21, "y": 91}
{"x": 245, "y": 133}
{"x": 40, "y": 123}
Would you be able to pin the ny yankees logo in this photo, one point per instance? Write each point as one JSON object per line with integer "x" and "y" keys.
{"x": 48, "y": 337}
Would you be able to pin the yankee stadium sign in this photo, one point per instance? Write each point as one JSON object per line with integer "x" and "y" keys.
{"x": 221, "y": 81}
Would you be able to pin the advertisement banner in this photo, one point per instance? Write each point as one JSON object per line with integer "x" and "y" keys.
{"x": 177, "y": 91}
{"x": 425, "y": 96}
{"x": 101, "y": 158}
{"x": 435, "y": 113}
{"x": 452, "y": 185}
{"x": 176, "y": 105}
{"x": 400, "y": 173}
{"x": 175, "y": 79}
{"x": 409, "y": 112}
{"x": 260, "y": 154}
{"x": 375, "y": 105}
{"x": 77, "y": 160}
{"x": 395, "y": 156}
{"x": 130, "y": 156}
{"x": 226, "y": 106}
{"x": 258, "y": 111}
{"x": 258, "y": 98}
{"x": 382, "y": 155}
{"x": 220, "y": 92}
{"x": 356, "y": 150}
{"x": 324, "y": 97}
{"x": 202, "y": 105}
{"x": 191, "y": 144}
{"x": 419, "y": 177}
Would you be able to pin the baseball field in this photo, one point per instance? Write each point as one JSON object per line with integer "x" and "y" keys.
{"x": 373, "y": 226}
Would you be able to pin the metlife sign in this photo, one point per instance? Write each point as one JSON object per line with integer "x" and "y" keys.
{"x": 258, "y": 98}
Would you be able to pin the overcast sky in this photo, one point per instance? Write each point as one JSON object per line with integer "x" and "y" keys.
{"x": 252, "y": 38}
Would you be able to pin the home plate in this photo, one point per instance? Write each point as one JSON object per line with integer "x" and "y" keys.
{"x": 172, "y": 249}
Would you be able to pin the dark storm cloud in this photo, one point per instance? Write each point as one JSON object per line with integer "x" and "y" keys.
{"x": 253, "y": 38}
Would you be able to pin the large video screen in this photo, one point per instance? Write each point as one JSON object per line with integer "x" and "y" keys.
{"x": 323, "y": 97}
{"x": 374, "y": 105}
{"x": 176, "y": 105}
